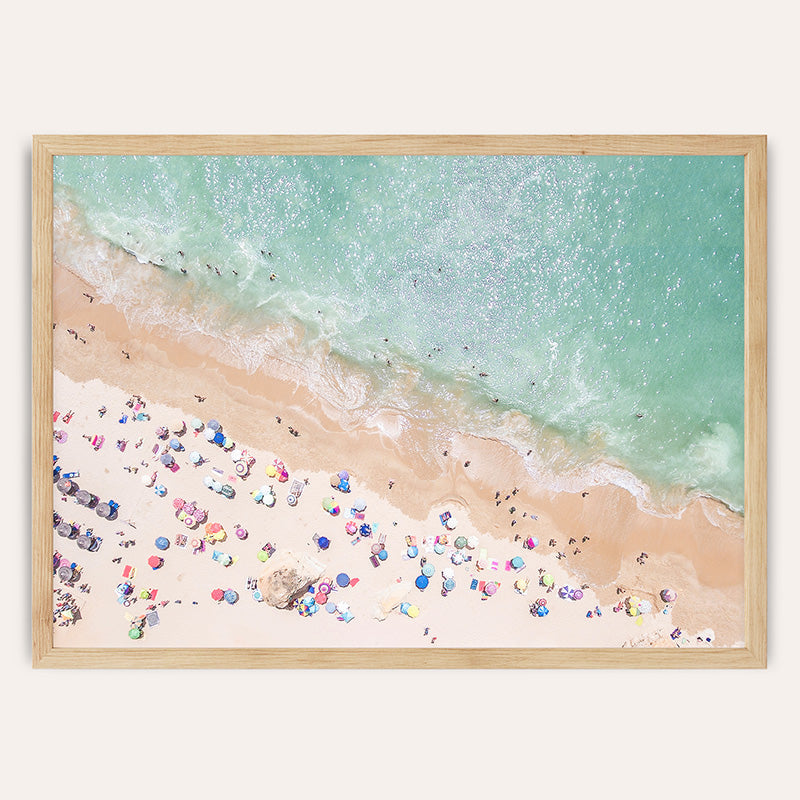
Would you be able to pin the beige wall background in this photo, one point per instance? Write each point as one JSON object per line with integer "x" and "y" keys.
{"x": 411, "y": 67}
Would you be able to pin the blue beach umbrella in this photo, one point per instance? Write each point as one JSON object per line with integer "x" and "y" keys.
{"x": 323, "y": 542}
{"x": 383, "y": 555}
{"x": 162, "y": 543}
{"x": 449, "y": 584}
{"x": 175, "y": 444}
{"x": 517, "y": 562}
{"x": 412, "y": 551}
{"x": 421, "y": 582}
{"x": 167, "y": 459}
{"x": 231, "y": 596}
{"x": 218, "y": 438}
{"x": 160, "y": 490}
{"x": 342, "y": 579}
{"x": 438, "y": 548}
{"x": 365, "y": 530}
{"x": 330, "y": 607}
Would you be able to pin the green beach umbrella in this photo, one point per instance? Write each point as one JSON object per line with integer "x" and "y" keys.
{"x": 547, "y": 579}
{"x": 135, "y": 633}
{"x": 461, "y": 542}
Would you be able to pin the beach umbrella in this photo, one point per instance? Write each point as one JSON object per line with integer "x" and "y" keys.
{"x": 197, "y": 424}
{"x": 213, "y": 527}
{"x": 61, "y": 436}
{"x": 412, "y": 551}
{"x": 262, "y": 555}
{"x": 365, "y": 530}
{"x": 213, "y": 425}
{"x": 342, "y": 579}
{"x": 413, "y": 611}
{"x": 269, "y": 498}
{"x": 542, "y": 611}
{"x": 236, "y": 455}
{"x": 178, "y": 503}
{"x": 134, "y": 633}
{"x": 218, "y": 439}
{"x": 547, "y": 579}
{"x": 321, "y": 598}
{"x": 449, "y": 585}
{"x": 344, "y": 475}
{"x": 189, "y": 521}
{"x": 451, "y": 523}
{"x": 200, "y": 514}
{"x": 162, "y": 543}
{"x": 65, "y": 573}
{"x": 668, "y": 595}
{"x": 270, "y": 470}
{"x": 577, "y": 595}
{"x": 438, "y": 548}
{"x": 375, "y": 549}
{"x": 324, "y": 587}
{"x": 124, "y": 588}
{"x": 359, "y": 504}
{"x": 208, "y": 481}
{"x": 460, "y": 542}
{"x": 162, "y": 432}
{"x": 231, "y": 596}
{"x": 645, "y": 606}
{"x": 83, "y": 497}
{"x": 66, "y": 486}
{"x": 324, "y": 543}
{"x": 448, "y": 572}
{"x": 421, "y": 582}
{"x": 104, "y": 510}
{"x": 334, "y": 481}
{"x": 283, "y": 476}
{"x": 428, "y": 570}
{"x": 224, "y": 559}
{"x": 521, "y": 584}
{"x": 227, "y": 443}
{"x": 241, "y": 468}
{"x": 216, "y": 486}
{"x": 327, "y": 503}
{"x": 155, "y": 562}
{"x": 217, "y": 594}
{"x": 210, "y": 434}
{"x": 84, "y": 542}
{"x": 195, "y": 457}
{"x": 472, "y": 542}
{"x": 175, "y": 444}
{"x": 167, "y": 460}
{"x": 383, "y": 555}
{"x": 563, "y": 592}
{"x": 228, "y": 491}
{"x": 457, "y": 558}
{"x": 517, "y": 562}
{"x": 490, "y": 589}
{"x": 241, "y": 533}
{"x": 330, "y": 607}
{"x": 161, "y": 490}
{"x": 65, "y": 529}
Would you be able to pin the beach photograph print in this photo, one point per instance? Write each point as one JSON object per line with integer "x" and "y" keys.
{"x": 398, "y": 401}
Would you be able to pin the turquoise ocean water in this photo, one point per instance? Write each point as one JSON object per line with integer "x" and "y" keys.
{"x": 602, "y": 296}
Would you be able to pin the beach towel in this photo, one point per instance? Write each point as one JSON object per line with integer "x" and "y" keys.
{"x": 482, "y": 555}
{"x": 155, "y": 449}
{"x": 481, "y": 586}
{"x": 123, "y": 419}
{"x": 494, "y": 564}
{"x": 444, "y": 517}
{"x": 129, "y": 571}
{"x": 474, "y": 584}
{"x": 56, "y": 415}
{"x": 508, "y": 566}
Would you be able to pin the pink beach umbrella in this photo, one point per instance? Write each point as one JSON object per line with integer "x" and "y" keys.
{"x": 178, "y": 503}
{"x": 217, "y": 594}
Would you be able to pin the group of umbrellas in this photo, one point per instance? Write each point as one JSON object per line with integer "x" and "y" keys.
{"x": 189, "y": 513}
{"x": 225, "y": 489}
{"x": 230, "y": 596}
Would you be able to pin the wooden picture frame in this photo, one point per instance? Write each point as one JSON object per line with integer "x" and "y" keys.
{"x": 752, "y": 655}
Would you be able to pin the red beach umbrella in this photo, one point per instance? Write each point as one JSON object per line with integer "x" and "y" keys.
{"x": 217, "y": 594}
{"x": 155, "y": 562}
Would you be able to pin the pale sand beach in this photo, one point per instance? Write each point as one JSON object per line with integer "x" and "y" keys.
{"x": 699, "y": 555}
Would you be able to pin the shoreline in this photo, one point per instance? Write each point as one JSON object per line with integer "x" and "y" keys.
{"x": 700, "y": 551}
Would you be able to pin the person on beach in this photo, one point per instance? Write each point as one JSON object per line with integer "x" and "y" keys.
{"x": 126, "y": 354}
{"x": 90, "y": 326}
{"x": 199, "y": 398}
{"x": 272, "y": 276}
{"x": 467, "y": 463}
{"x": 102, "y": 411}
{"x": 391, "y": 483}
{"x": 91, "y": 298}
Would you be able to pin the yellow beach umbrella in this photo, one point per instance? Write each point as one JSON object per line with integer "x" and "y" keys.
{"x": 271, "y": 471}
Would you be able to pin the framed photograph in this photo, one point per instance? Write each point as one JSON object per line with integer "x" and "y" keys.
{"x": 399, "y": 401}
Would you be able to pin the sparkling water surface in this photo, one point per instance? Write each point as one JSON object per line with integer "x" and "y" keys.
{"x": 603, "y": 297}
